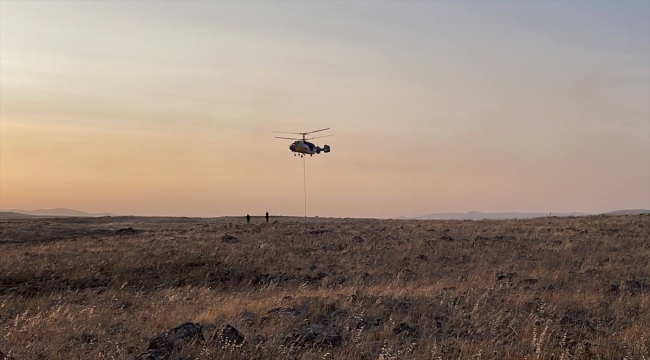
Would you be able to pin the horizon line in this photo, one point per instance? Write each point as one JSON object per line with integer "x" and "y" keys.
{"x": 110, "y": 214}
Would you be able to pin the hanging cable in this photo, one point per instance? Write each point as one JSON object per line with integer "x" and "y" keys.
{"x": 304, "y": 177}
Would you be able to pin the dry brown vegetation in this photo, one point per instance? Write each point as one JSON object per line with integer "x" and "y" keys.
{"x": 549, "y": 288}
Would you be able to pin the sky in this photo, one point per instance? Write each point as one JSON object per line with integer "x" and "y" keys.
{"x": 169, "y": 108}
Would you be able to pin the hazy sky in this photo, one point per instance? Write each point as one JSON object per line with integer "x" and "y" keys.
{"x": 168, "y": 108}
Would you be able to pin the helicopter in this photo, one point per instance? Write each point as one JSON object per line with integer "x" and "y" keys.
{"x": 302, "y": 147}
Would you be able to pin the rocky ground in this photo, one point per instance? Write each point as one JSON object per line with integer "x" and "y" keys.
{"x": 135, "y": 288}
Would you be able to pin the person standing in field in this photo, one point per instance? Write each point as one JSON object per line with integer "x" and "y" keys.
{"x": 267, "y": 216}
{"x": 248, "y": 218}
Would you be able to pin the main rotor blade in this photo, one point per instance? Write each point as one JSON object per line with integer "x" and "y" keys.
{"x": 300, "y": 133}
{"x": 309, "y": 132}
{"x": 318, "y": 137}
{"x": 284, "y": 132}
{"x": 286, "y": 138}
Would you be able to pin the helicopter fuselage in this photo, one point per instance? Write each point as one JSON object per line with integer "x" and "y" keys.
{"x": 303, "y": 147}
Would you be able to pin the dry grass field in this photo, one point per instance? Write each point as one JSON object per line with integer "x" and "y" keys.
{"x": 139, "y": 288}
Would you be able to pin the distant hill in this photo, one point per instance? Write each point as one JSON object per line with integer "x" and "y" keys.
{"x": 62, "y": 212}
{"x": 13, "y": 215}
{"x": 475, "y": 215}
{"x": 629, "y": 212}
